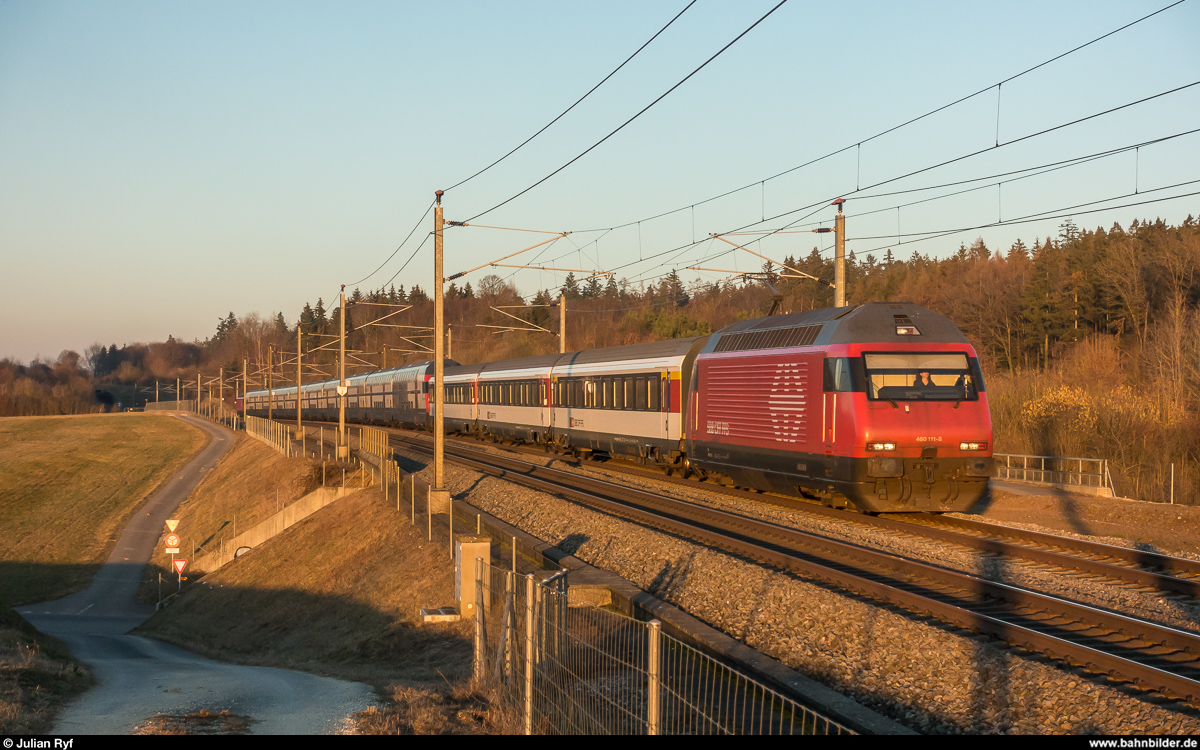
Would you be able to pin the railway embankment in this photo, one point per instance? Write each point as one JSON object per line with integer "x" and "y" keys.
{"x": 930, "y": 677}
{"x": 1158, "y": 527}
{"x": 335, "y": 593}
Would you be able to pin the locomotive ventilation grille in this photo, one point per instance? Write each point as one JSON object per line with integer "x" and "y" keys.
{"x": 775, "y": 338}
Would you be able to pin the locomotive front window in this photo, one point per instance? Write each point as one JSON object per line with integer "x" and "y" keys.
{"x": 920, "y": 376}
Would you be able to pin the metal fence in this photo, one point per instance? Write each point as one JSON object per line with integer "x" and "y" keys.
{"x": 274, "y": 434}
{"x": 583, "y": 670}
{"x": 1080, "y": 472}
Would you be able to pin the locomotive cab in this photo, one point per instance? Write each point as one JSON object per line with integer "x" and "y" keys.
{"x": 906, "y": 427}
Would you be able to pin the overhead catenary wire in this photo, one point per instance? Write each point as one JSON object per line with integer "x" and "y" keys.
{"x": 1024, "y": 173}
{"x": 893, "y": 128}
{"x": 819, "y": 205}
{"x": 640, "y": 112}
{"x": 402, "y": 244}
{"x": 577, "y": 101}
{"x": 857, "y": 144}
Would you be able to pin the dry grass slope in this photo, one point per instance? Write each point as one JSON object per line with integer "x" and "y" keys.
{"x": 337, "y": 594}
{"x": 70, "y": 484}
{"x": 249, "y": 485}
{"x": 37, "y": 675}
{"x": 457, "y": 710}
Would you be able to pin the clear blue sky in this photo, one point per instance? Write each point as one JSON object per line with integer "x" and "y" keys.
{"x": 163, "y": 164}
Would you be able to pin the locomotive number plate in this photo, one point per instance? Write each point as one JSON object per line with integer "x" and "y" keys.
{"x": 930, "y": 439}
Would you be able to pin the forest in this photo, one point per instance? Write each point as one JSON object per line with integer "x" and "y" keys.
{"x": 1090, "y": 339}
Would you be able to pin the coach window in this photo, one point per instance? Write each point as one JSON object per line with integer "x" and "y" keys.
{"x": 618, "y": 394}
{"x": 655, "y": 387}
{"x": 640, "y": 385}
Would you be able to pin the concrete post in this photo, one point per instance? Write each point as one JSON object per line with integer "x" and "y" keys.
{"x": 299, "y": 382}
{"x": 343, "y": 449}
{"x": 839, "y": 256}
{"x": 438, "y": 492}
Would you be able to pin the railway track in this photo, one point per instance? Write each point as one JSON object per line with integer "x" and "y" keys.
{"x": 1170, "y": 577}
{"x": 1154, "y": 657}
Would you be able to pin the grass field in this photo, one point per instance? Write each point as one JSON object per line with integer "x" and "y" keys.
{"x": 69, "y": 485}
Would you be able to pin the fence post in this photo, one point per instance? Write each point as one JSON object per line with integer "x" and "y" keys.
{"x": 504, "y": 640}
{"x": 480, "y": 623}
{"x": 653, "y": 679}
{"x": 529, "y": 584}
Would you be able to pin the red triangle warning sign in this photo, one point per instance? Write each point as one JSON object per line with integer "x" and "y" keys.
{"x": 179, "y": 565}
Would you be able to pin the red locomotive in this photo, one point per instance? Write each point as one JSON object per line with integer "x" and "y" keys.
{"x": 880, "y": 406}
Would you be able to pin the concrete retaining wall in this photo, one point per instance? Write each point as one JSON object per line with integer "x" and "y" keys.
{"x": 292, "y": 514}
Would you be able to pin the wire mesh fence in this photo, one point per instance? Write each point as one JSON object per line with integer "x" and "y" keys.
{"x": 582, "y": 670}
{"x": 585, "y": 670}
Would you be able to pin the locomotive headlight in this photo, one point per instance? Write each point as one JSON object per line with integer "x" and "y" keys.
{"x": 882, "y": 446}
{"x": 972, "y": 446}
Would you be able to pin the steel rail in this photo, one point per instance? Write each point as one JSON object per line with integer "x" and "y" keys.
{"x": 1174, "y": 568}
{"x": 1091, "y": 638}
{"x": 1149, "y": 570}
{"x": 1140, "y": 568}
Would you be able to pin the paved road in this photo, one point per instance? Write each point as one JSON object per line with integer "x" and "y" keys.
{"x": 139, "y": 677}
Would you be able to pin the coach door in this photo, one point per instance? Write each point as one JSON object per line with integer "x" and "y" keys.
{"x": 664, "y": 401}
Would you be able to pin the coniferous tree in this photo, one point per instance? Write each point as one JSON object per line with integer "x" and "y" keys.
{"x": 611, "y": 291}
{"x": 570, "y": 287}
{"x": 592, "y": 289}
{"x": 320, "y": 319}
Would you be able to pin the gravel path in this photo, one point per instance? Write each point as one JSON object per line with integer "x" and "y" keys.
{"x": 907, "y": 668}
{"x": 139, "y": 677}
